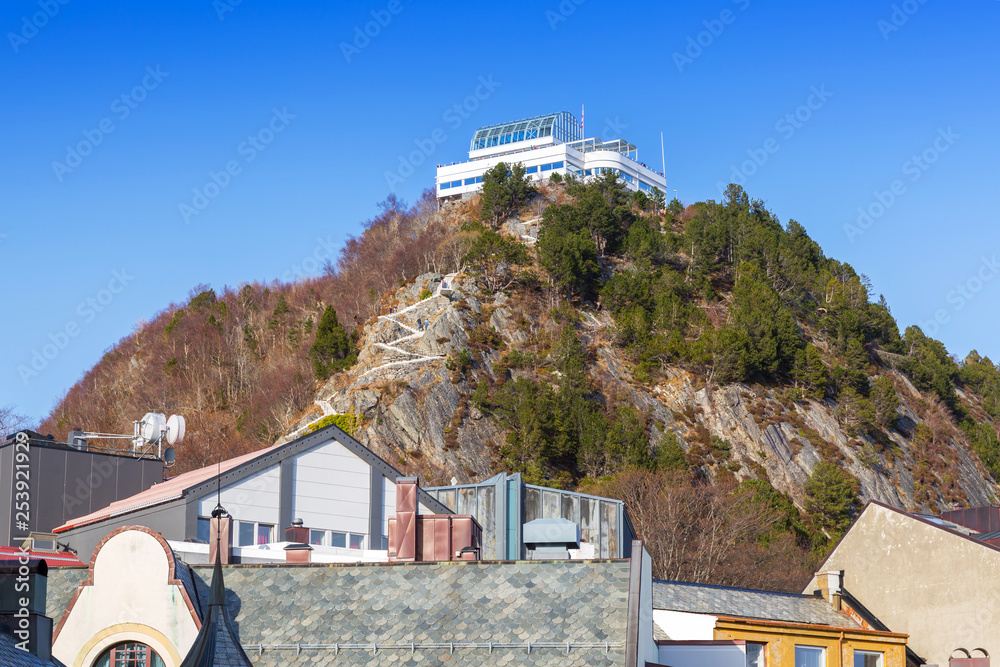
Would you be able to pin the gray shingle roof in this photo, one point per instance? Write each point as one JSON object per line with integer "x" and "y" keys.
{"x": 11, "y": 656}
{"x": 463, "y": 602}
{"x": 744, "y": 603}
{"x": 60, "y": 586}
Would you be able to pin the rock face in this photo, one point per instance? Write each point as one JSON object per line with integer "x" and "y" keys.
{"x": 415, "y": 412}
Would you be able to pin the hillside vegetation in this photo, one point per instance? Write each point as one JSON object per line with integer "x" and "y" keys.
{"x": 741, "y": 391}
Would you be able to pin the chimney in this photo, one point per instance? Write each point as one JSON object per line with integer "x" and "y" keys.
{"x": 298, "y": 553}
{"x": 430, "y": 537}
{"x": 829, "y": 586}
{"x": 297, "y": 533}
{"x": 403, "y": 527}
{"x": 219, "y": 534}
{"x": 20, "y": 582}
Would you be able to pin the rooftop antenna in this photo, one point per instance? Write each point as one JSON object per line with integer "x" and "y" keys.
{"x": 151, "y": 430}
{"x": 219, "y": 510}
{"x": 663, "y": 156}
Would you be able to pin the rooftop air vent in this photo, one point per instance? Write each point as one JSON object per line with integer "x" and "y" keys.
{"x": 551, "y": 539}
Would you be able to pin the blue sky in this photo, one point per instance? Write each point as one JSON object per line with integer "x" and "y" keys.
{"x": 150, "y": 147}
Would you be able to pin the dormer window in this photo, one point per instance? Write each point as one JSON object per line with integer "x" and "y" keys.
{"x": 129, "y": 654}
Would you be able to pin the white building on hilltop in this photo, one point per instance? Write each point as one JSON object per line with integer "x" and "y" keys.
{"x": 547, "y": 144}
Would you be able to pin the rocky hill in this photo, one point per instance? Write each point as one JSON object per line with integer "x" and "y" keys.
{"x": 707, "y": 364}
{"x": 416, "y": 413}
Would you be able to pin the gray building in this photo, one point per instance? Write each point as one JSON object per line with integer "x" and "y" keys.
{"x": 44, "y": 483}
{"x": 342, "y": 492}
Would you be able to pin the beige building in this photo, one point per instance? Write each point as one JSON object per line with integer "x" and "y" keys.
{"x": 932, "y": 578}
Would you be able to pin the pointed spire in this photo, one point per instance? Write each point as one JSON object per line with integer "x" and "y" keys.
{"x": 217, "y": 644}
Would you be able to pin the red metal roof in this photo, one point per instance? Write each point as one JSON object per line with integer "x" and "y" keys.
{"x": 163, "y": 492}
{"x": 52, "y": 559}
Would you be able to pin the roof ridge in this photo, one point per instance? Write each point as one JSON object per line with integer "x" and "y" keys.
{"x": 736, "y": 588}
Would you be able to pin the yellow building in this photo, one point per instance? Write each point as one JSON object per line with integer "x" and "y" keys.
{"x": 783, "y": 644}
{"x": 699, "y": 625}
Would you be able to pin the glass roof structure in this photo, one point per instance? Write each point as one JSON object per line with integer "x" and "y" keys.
{"x": 618, "y": 146}
{"x": 562, "y": 126}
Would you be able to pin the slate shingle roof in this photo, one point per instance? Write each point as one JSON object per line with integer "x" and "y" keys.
{"x": 217, "y": 644}
{"x": 61, "y": 583}
{"x": 462, "y": 602}
{"x": 11, "y": 656}
{"x": 744, "y": 603}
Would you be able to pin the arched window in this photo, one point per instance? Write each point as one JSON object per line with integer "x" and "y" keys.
{"x": 129, "y": 654}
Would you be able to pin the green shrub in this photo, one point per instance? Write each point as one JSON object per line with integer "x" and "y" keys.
{"x": 348, "y": 423}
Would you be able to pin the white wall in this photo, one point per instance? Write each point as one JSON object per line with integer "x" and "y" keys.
{"x": 332, "y": 489}
{"x": 388, "y": 504}
{"x": 129, "y": 601}
{"x": 685, "y": 626}
{"x": 572, "y": 159}
{"x": 727, "y": 655}
{"x": 254, "y": 498}
{"x": 647, "y": 647}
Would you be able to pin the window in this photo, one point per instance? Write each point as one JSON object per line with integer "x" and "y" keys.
{"x": 531, "y": 170}
{"x": 456, "y": 184}
{"x": 867, "y": 659}
{"x": 809, "y": 656}
{"x": 316, "y": 537}
{"x": 556, "y": 165}
{"x": 357, "y": 541}
{"x": 251, "y": 533}
{"x": 129, "y": 654}
{"x": 756, "y": 655}
{"x": 546, "y": 167}
{"x": 246, "y": 534}
{"x": 338, "y": 539}
{"x": 204, "y": 529}
{"x": 445, "y": 186}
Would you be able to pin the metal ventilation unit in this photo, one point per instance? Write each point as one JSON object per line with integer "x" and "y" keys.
{"x": 550, "y": 539}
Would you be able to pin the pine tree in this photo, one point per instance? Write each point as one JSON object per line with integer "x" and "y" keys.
{"x": 333, "y": 349}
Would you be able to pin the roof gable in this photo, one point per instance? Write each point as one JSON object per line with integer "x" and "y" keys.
{"x": 204, "y": 480}
{"x": 747, "y": 603}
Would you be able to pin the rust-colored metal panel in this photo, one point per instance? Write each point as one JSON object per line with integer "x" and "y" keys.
{"x": 969, "y": 662}
{"x": 979, "y": 519}
{"x": 442, "y": 538}
{"x": 406, "y": 494}
{"x": 220, "y": 527}
{"x": 406, "y": 536}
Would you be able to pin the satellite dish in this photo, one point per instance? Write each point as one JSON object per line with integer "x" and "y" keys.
{"x": 168, "y": 455}
{"x": 151, "y": 426}
{"x": 175, "y": 429}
